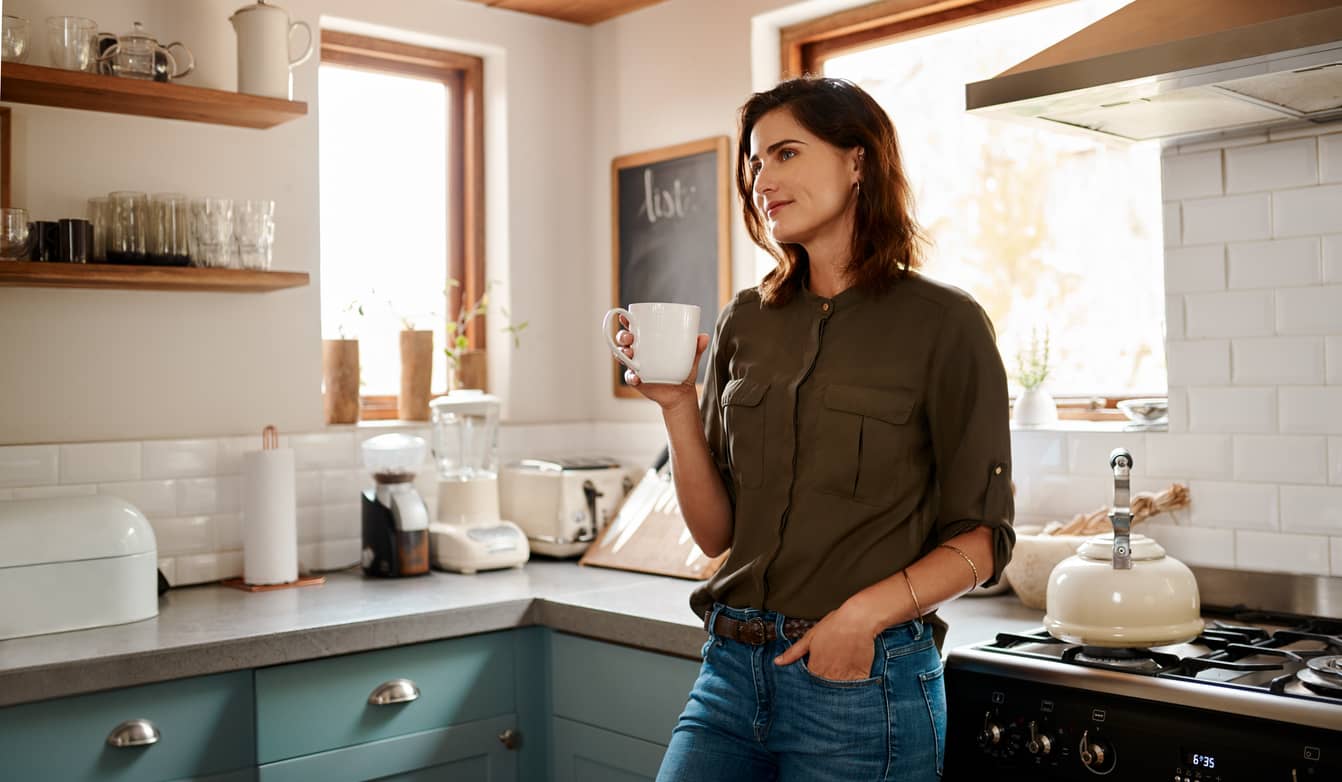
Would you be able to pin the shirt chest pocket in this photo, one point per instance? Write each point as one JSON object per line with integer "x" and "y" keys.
{"x": 743, "y": 407}
{"x": 866, "y": 436}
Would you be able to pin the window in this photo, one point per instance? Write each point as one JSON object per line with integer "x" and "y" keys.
{"x": 400, "y": 166}
{"x": 1049, "y": 230}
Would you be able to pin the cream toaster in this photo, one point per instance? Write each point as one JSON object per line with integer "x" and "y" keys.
{"x": 562, "y": 504}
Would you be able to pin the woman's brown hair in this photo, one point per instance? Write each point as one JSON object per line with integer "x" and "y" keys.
{"x": 886, "y": 239}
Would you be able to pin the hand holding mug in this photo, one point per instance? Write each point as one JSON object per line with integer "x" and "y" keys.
{"x": 659, "y": 346}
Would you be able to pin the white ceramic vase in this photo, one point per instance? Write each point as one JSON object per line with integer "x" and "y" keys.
{"x": 1035, "y": 407}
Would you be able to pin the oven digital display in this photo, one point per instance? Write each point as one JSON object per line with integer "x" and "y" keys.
{"x": 1199, "y": 760}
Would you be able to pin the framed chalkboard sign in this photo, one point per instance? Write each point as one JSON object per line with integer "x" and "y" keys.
{"x": 669, "y": 231}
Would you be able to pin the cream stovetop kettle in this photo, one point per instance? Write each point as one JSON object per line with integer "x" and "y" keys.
{"x": 264, "y": 32}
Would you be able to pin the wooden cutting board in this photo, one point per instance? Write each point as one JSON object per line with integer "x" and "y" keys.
{"x": 649, "y": 535}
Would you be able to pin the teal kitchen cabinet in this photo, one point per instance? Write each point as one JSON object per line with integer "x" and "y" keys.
{"x": 373, "y": 715}
{"x": 204, "y": 725}
{"x": 613, "y": 708}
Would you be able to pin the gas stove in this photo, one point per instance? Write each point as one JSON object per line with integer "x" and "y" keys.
{"x": 1257, "y": 697}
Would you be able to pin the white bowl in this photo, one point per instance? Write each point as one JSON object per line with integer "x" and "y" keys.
{"x": 1033, "y": 559}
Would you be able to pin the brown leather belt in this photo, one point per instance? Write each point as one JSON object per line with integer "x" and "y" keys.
{"x": 756, "y": 631}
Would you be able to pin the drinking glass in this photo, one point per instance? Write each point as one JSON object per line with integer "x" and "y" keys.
{"x": 14, "y": 39}
{"x": 15, "y": 235}
{"x": 126, "y": 235}
{"x": 254, "y": 231}
{"x": 169, "y": 229}
{"x": 212, "y": 232}
{"x": 99, "y": 214}
{"x": 70, "y": 42}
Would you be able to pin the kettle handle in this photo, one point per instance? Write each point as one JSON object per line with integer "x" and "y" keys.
{"x": 190, "y": 59}
{"x": 307, "y": 52}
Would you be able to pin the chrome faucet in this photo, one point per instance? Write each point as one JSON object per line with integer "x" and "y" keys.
{"x": 1121, "y": 515}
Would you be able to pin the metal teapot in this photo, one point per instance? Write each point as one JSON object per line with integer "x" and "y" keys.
{"x": 1120, "y": 589}
{"x": 138, "y": 55}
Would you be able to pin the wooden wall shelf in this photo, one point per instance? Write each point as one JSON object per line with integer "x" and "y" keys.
{"x": 156, "y": 278}
{"x": 94, "y": 92}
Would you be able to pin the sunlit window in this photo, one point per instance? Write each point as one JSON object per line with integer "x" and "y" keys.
{"x": 1050, "y": 231}
{"x": 384, "y": 215}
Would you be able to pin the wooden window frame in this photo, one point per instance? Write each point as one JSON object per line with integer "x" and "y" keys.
{"x": 464, "y": 76}
{"x": 804, "y": 47}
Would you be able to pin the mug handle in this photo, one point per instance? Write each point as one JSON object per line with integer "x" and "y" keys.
{"x": 610, "y": 339}
{"x": 302, "y": 58}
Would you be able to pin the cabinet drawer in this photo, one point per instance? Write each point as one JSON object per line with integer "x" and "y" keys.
{"x": 637, "y": 693}
{"x": 309, "y": 707}
{"x": 204, "y": 724}
{"x": 472, "y": 751}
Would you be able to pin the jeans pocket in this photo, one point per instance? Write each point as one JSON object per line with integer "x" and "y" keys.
{"x": 934, "y": 693}
{"x": 875, "y": 675}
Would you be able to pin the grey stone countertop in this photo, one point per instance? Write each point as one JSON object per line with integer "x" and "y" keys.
{"x": 211, "y": 628}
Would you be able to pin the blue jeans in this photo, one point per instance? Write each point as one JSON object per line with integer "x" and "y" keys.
{"x": 749, "y": 719}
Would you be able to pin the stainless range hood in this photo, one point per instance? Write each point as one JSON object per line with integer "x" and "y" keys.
{"x": 1179, "y": 68}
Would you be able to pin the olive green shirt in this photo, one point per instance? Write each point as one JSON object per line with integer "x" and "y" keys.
{"x": 853, "y": 434}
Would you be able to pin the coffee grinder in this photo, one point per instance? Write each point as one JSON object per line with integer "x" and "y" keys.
{"x": 395, "y": 519}
{"x": 468, "y": 534}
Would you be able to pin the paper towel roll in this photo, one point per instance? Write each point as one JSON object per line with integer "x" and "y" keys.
{"x": 269, "y": 517}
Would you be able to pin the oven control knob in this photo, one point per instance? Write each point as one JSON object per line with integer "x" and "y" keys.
{"x": 1096, "y": 754}
{"x": 992, "y": 733}
{"x": 1039, "y": 744}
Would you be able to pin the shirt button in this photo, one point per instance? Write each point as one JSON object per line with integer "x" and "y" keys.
{"x": 824, "y": 307}
{"x": 997, "y": 470}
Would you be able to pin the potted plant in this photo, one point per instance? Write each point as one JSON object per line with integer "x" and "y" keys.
{"x": 412, "y": 404}
{"x": 465, "y": 366}
{"x": 340, "y": 369}
{"x": 1034, "y": 406}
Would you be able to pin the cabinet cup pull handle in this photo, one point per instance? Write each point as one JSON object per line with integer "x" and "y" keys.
{"x": 394, "y": 691}
{"x": 133, "y": 733}
{"x": 510, "y": 738}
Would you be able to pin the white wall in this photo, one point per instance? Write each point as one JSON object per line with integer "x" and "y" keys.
{"x": 106, "y": 365}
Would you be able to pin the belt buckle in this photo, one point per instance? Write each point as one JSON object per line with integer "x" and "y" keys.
{"x": 756, "y": 629}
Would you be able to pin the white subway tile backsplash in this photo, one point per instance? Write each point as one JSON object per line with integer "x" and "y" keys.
{"x": 6, "y": 494}
{"x": 1194, "y": 545}
{"x": 1277, "y": 263}
{"x": 1271, "y": 166}
{"x": 1178, "y": 402}
{"x": 307, "y": 487}
{"x": 1037, "y": 452}
{"x": 334, "y": 450}
{"x": 1200, "y": 362}
{"x": 1312, "y": 509}
{"x": 152, "y": 498}
{"x": 334, "y": 554}
{"x": 209, "y": 495}
{"x": 340, "y": 521}
{"x": 1309, "y": 210}
{"x": 1172, "y": 224}
{"x": 1233, "y": 410}
{"x": 1337, "y": 556}
{"x": 1286, "y": 553}
{"x": 1174, "y": 317}
{"x": 1332, "y": 258}
{"x": 1234, "y": 314}
{"x": 28, "y": 465}
{"x": 1335, "y": 460}
{"x": 1281, "y": 458}
{"x": 1332, "y": 352}
{"x": 1302, "y": 129}
{"x": 99, "y": 462}
{"x": 309, "y": 523}
{"x": 1088, "y": 452}
{"x": 1189, "y": 455}
{"x": 169, "y": 567}
{"x": 1330, "y": 157}
{"x": 1311, "y": 410}
{"x": 344, "y": 486}
{"x": 1063, "y": 496}
{"x": 227, "y": 531}
{"x": 177, "y": 535}
{"x": 1190, "y": 176}
{"x": 179, "y": 458}
{"x": 1283, "y": 361}
{"x": 1227, "y": 505}
{"x": 1316, "y": 310}
{"x": 1195, "y": 269}
{"x": 45, "y": 492}
{"x": 1227, "y": 140}
{"x": 1227, "y": 219}
{"x": 206, "y": 568}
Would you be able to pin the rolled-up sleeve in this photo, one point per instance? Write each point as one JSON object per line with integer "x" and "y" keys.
{"x": 968, "y": 415}
{"x": 716, "y": 375}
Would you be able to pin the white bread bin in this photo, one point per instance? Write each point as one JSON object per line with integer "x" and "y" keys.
{"x": 69, "y": 563}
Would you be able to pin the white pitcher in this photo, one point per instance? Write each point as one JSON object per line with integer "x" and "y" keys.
{"x": 263, "y": 33}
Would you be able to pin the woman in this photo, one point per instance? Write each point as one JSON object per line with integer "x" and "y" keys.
{"x": 851, "y": 449}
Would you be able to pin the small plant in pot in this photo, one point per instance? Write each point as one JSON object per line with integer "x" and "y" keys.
{"x": 412, "y": 404}
{"x": 1034, "y": 406}
{"x": 340, "y": 368}
{"x": 466, "y": 366}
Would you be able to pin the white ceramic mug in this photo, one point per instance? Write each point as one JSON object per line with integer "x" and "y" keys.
{"x": 665, "y": 338}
